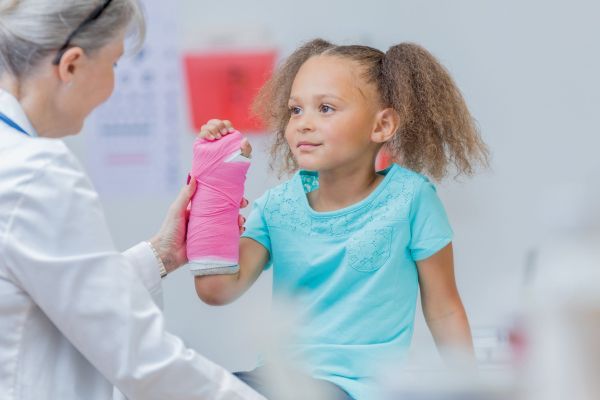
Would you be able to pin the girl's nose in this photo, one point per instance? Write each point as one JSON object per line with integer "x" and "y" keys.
{"x": 306, "y": 124}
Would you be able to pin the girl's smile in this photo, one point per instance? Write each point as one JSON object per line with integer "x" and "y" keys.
{"x": 307, "y": 146}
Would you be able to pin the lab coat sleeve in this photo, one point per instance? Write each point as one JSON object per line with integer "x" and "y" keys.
{"x": 145, "y": 265}
{"x": 59, "y": 251}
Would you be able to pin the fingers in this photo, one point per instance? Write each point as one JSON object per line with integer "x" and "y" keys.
{"x": 182, "y": 201}
{"x": 244, "y": 203}
{"x": 191, "y": 187}
{"x": 215, "y": 129}
{"x": 241, "y": 222}
{"x": 246, "y": 148}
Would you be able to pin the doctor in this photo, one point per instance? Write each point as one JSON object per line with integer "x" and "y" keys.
{"x": 76, "y": 316}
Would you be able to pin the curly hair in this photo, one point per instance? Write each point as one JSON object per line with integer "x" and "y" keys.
{"x": 436, "y": 129}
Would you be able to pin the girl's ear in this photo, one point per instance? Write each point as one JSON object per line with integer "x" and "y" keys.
{"x": 386, "y": 124}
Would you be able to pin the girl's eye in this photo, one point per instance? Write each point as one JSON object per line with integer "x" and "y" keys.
{"x": 295, "y": 110}
{"x": 326, "y": 108}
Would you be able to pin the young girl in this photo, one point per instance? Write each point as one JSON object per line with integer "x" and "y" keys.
{"x": 351, "y": 245}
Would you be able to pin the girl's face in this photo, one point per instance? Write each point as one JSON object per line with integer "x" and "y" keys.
{"x": 332, "y": 115}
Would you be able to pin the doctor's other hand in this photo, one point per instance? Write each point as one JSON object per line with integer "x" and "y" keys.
{"x": 170, "y": 241}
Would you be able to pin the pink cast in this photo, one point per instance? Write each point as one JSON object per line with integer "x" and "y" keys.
{"x": 213, "y": 232}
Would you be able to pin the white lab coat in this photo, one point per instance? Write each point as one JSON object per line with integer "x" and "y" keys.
{"x": 77, "y": 316}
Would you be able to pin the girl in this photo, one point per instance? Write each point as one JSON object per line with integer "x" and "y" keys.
{"x": 351, "y": 245}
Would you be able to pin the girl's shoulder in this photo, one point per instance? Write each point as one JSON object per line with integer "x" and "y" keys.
{"x": 406, "y": 175}
{"x": 284, "y": 192}
{"x": 401, "y": 187}
{"x": 404, "y": 181}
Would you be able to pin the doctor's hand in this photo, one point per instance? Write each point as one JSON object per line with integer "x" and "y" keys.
{"x": 170, "y": 242}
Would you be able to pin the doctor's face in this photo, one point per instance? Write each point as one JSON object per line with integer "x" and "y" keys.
{"x": 94, "y": 83}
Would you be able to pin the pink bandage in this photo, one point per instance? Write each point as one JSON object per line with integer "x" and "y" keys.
{"x": 213, "y": 234}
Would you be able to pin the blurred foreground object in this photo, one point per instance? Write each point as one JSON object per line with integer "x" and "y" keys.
{"x": 563, "y": 321}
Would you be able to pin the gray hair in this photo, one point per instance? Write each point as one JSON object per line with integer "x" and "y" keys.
{"x": 30, "y": 30}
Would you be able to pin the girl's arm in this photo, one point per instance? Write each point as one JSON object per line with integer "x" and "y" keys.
{"x": 442, "y": 307}
{"x": 223, "y": 289}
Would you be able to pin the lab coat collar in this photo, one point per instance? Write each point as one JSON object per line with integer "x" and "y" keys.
{"x": 11, "y": 107}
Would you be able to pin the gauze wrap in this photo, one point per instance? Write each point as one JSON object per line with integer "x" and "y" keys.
{"x": 213, "y": 236}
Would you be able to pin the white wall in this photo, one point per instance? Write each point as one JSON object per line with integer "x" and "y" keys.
{"x": 528, "y": 70}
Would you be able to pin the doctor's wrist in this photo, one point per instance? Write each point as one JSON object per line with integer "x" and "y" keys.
{"x": 166, "y": 261}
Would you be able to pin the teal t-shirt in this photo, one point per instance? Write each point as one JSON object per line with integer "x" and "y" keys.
{"x": 351, "y": 273}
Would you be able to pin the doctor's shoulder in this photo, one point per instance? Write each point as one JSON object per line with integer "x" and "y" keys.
{"x": 31, "y": 160}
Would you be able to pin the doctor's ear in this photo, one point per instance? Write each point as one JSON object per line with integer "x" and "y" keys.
{"x": 69, "y": 63}
{"x": 386, "y": 124}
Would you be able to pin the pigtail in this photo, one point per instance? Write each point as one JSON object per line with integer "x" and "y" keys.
{"x": 437, "y": 130}
{"x": 271, "y": 103}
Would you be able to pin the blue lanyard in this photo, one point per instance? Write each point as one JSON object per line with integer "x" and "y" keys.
{"x": 12, "y": 124}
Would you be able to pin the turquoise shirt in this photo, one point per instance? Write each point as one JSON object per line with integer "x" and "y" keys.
{"x": 351, "y": 273}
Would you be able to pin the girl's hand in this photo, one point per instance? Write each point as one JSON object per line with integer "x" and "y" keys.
{"x": 215, "y": 129}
